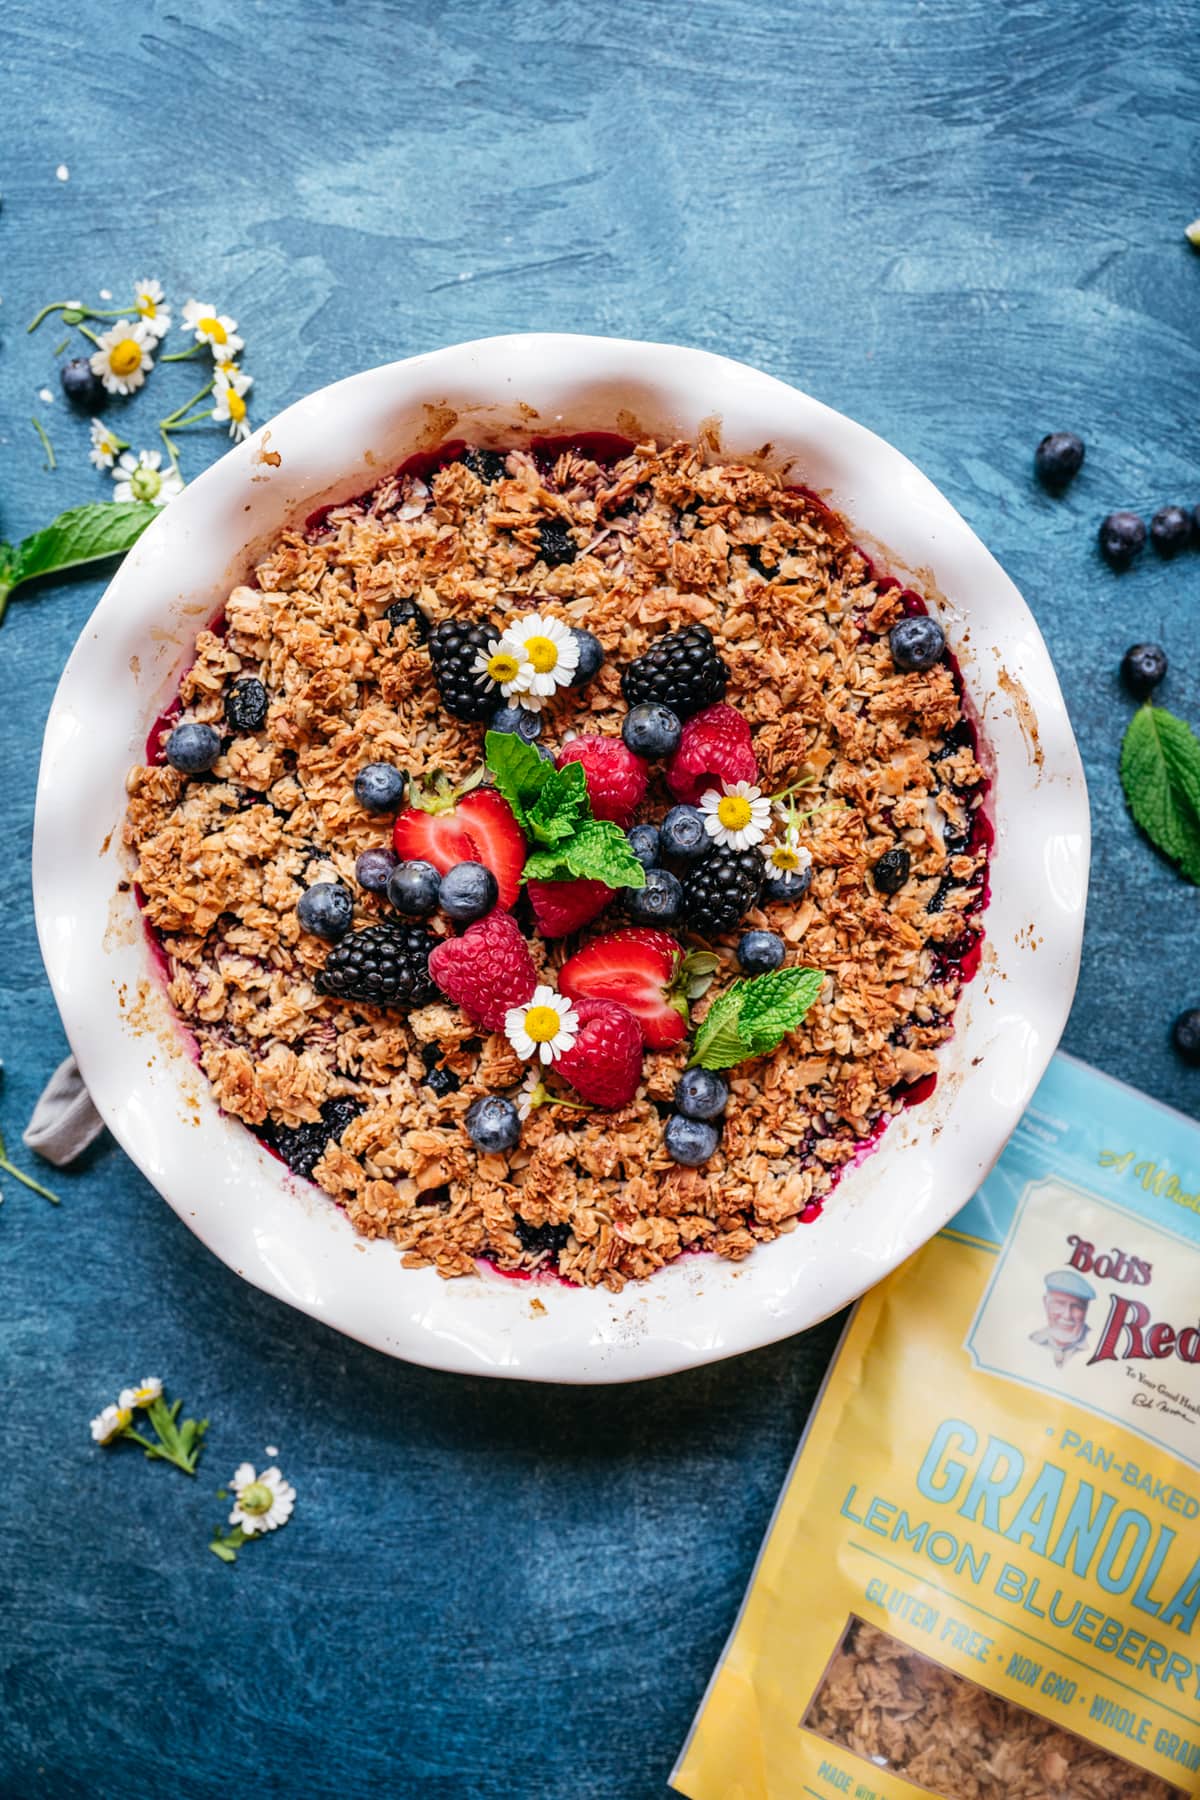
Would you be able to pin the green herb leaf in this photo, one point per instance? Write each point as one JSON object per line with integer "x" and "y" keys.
{"x": 518, "y": 771}
{"x": 85, "y": 534}
{"x": 752, "y": 1018}
{"x": 226, "y": 1544}
{"x": 561, "y": 808}
{"x": 1160, "y": 772}
{"x": 599, "y": 851}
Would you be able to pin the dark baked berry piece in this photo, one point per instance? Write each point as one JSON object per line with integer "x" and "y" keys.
{"x": 759, "y": 952}
{"x": 303, "y": 1146}
{"x": 651, "y": 730}
{"x": 720, "y": 892}
{"x": 442, "y": 1082}
{"x": 326, "y": 909}
{"x": 518, "y": 721}
{"x": 385, "y": 965}
{"x": 644, "y": 842}
{"x": 81, "y": 385}
{"x": 193, "y": 748}
{"x": 916, "y": 643}
{"x": 453, "y": 647}
{"x": 246, "y": 704}
{"x": 493, "y": 1124}
{"x": 541, "y": 1240}
{"x": 1122, "y": 537}
{"x": 681, "y": 670}
{"x": 407, "y": 612}
{"x": 591, "y": 659}
{"x": 1143, "y": 667}
{"x": 1185, "y": 1035}
{"x": 892, "y": 871}
{"x": 690, "y": 1141}
{"x": 701, "y": 1094}
{"x": 658, "y": 903}
{"x": 555, "y": 543}
{"x": 379, "y": 787}
{"x": 488, "y": 465}
{"x": 1170, "y": 530}
{"x": 1058, "y": 459}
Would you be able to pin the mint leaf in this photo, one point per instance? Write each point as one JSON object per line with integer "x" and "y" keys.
{"x": 719, "y": 1041}
{"x": 518, "y": 771}
{"x": 599, "y": 851}
{"x": 752, "y": 1018}
{"x": 85, "y": 534}
{"x": 1160, "y": 773}
{"x": 562, "y": 807}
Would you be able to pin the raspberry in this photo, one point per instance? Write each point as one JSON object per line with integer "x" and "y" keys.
{"x": 486, "y": 970}
{"x": 604, "y": 1064}
{"x": 715, "y": 747}
{"x": 561, "y": 907}
{"x": 616, "y": 778}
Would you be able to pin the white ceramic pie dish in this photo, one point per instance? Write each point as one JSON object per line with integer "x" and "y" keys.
{"x": 287, "y": 1237}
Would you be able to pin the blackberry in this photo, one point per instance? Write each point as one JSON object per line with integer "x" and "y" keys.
{"x": 407, "y": 612}
{"x": 720, "y": 892}
{"x": 682, "y": 671}
{"x": 555, "y": 543}
{"x": 442, "y": 1082}
{"x": 535, "y": 1240}
{"x": 453, "y": 646}
{"x": 385, "y": 965}
{"x": 246, "y": 704}
{"x": 303, "y": 1146}
{"x": 488, "y": 465}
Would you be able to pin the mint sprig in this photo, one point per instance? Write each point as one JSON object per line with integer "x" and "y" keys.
{"x": 553, "y": 810}
{"x": 753, "y": 1017}
{"x": 597, "y": 851}
{"x": 85, "y": 534}
{"x": 1160, "y": 773}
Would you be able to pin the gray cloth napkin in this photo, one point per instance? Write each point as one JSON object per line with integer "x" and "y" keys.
{"x": 64, "y": 1120}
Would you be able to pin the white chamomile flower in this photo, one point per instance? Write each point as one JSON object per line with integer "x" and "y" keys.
{"x": 140, "y": 477}
{"x": 106, "y": 446}
{"x": 123, "y": 356}
{"x": 736, "y": 814}
{"x": 788, "y": 856}
{"x": 110, "y": 1423}
{"x": 148, "y": 297}
{"x": 531, "y": 1095}
{"x": 545, "y": 1026}
{"x": 210, "y": 327}
{"x": 147, "y": 1391}
{"x": 550, "y": 655}
{"x": 502, "y": 663}
{"x": 263, "y": 1501}
{"x": 230, "y": 386}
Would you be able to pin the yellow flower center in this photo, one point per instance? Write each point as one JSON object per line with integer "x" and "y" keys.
{"x": 542, "y": 653}
{"x": 541, "y": 1024}
{"x": 147, "y": 307}
{"x": 502, "y": 665}
{"x": 236, "y": 405}
{"x": 256, "y": 1498}
{"x": 734, "y": 812}
{"x": 783, "y": 858}
{"x": 125, "y": 357}
{"x": 213, "y": 330}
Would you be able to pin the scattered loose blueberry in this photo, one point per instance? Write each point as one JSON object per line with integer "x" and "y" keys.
{"x": 651, "y": 730}
{"x": 414, "y": 889}
{"x": 591, "y": 659}
{"x": 1122, "y": 537}
{"x": 644, "y": 842}
{"x": 373, "y": 870}
{"x": 1171, "y": 530}
{"x": 759, "y": 952}
{"x": 246, "y": 704}
{"x": 379, "y": 788}
{"x": 555, "y": 543}
{"x": 791, "y": 886}
{"x": 1143, "y": 667}
{"x": 326, "y": 909}
{"x": 683, "y": 835}
{"x": 1058, "y": 459}
{"x": 193, "y": 748}
{"x": 492, "y": 1124}
{"x": 81, "y": 387}
{"x": 517, "y": 721}
{"x": 442, "y": 1082}
{"x": 690, "y": 1141}
{"x": 658, "y": 903}
{"x": 917, "y": 642}
{"x": 892, "y": 871}
{"x": 468, "y": 891}
{"x": 1185, "y": 1034}
{"x": 701, "y": 1094}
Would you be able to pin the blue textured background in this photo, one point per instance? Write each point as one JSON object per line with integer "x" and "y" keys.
{"x": 960, "y": 222}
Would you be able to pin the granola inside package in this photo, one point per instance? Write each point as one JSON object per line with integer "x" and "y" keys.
{"x": 982, "y": 1580}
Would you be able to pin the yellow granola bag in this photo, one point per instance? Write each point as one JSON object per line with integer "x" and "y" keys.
{"x": 982, "y": 1580}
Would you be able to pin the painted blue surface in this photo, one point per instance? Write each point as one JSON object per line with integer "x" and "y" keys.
{"x": 960, "y": 223}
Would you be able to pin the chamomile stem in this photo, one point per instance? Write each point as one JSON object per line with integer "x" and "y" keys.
{"x": 54, "y": 306}
{"x": 47, "y": 446}
{"x": 183, "y": 355}
{"x": 7, "y": 1167}
{"x": 196, "y": 419}
{"x": 90, "y": 336}
{"x": 201, "y": 394}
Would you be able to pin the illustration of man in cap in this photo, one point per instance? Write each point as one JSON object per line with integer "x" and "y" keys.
{"x": 1066, "y": 1330}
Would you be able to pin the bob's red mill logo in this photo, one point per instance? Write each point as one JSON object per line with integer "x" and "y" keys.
{"x": 1129, "y": 1332}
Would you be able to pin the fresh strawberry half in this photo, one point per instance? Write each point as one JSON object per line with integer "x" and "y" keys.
{"x": 487, "y": 969}
{"x": 715, "y": 746}
{"x": 453, "y": 827}
{"x": 645, "y": 970}
{"x": 561, "y": 907}
{"x": 616, "y": 778}
{"x": 604, "y": 1064}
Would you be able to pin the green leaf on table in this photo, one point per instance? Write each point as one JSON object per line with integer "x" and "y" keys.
{"x": 752, "y": 1018}
{"x": 598, "y": 851}
{"x": 1160, "y": 773}
{"x": 85, "y": 534}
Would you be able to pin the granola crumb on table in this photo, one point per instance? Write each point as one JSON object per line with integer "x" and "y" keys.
{"x": 664, "y": 539}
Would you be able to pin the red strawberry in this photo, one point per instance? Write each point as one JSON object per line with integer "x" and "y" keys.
{"x": 604, "y": 1064}
{"x": 477, "y": 827}
{"x": 715, "y": 747}
{"x": 636, "y": 967}
{"x": 487, "y": 969}
{"x": 561, "y": 907}
{"x": 616, "y": 778}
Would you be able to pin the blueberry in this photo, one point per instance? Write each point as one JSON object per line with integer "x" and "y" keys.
{"x": 379, "y": 788}
{"x": 492, "y": 1124}
{"x": 892, "y": 871}
{"x": 1170, "y": 530}
{"x": 683, "y": 836}
{"x": 326, "y": 909}
{"x": 81, "y": 387}
{"x": 442, "y": 1082}
{"x": 643, "y": 841}
{"x": 193, "y": 748}
{"x": 1143, "y": 667}
{"x": 690, "y": 1141}
{"x": 701, "y": 1094}
{"x": 1058, "y": 459}
{"x": 519, "y": 721}
{"x": 651, "y": 730}
{"x": 658, "y": 903}
{"x": 791, "y": 886}
{"x": 591, "y": 658}
{"x": 468, "y": 891}
{"x": 1185, "y": 1035}
{"x": 373, "y": 870}
{"x": 916, "y": 643}
{"x": 1122, "y": 536}
{"x": 414, "y": 889}
{"x": 759, "y": 952}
